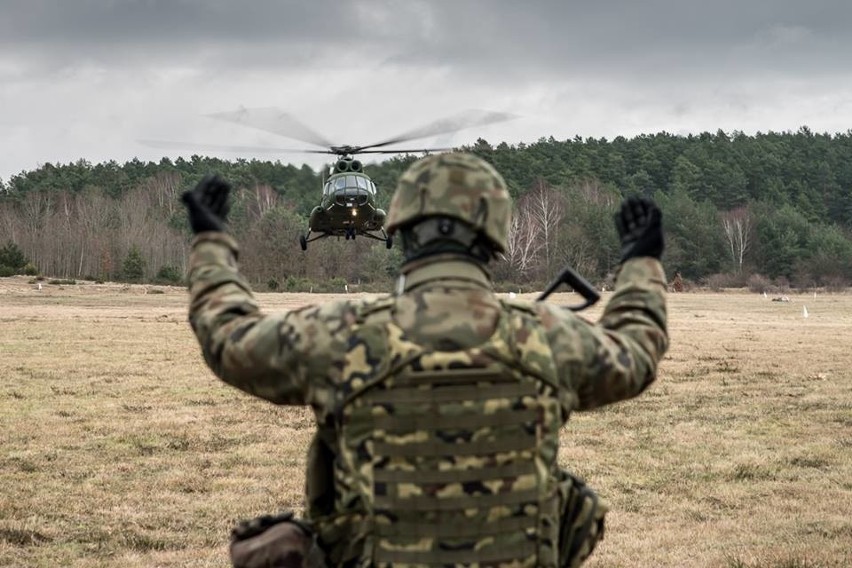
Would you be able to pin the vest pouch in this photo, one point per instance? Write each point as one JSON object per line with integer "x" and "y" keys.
{"x": 342, "y": 537}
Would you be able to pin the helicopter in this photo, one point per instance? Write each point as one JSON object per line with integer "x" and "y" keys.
{"x": 347, "y": 207}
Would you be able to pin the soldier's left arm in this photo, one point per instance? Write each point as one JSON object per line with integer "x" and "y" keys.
{"x": 616, "y": 358}
{"x": 270, "y": 356}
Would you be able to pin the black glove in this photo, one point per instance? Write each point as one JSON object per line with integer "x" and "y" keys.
{"x": 207, "y": 204}
{"x": 253, "y": 527}
{"x": 274, "y": 540}
{"x": 640, "y": 228}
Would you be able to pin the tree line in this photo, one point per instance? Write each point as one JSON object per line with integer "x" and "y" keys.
{"x": 770, "y": 206}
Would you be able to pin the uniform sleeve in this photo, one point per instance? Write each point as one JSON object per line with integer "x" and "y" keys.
{"x": 616, "y": 358}
{"x": 265, "y": 355}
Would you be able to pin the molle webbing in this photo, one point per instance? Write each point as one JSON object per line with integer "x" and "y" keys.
{"x": 448, "y": 476}
{"x": 413, "y": 528}
{"x": 454, "y": 393}
{"x": 460, "y": 480}
{"x": 444, "y": 557}
{"x": 450, "y": 456}
{"x": 406, "y": 423}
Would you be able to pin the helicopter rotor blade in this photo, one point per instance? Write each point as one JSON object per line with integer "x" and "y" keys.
{"x": 270, "y": 119}
{"x": 191, "y": 146}
{"x": 405, "y": 150}
{"x": 461, "y": 121}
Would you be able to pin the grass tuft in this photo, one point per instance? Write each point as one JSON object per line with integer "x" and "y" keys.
{"x": 22, "y": 537}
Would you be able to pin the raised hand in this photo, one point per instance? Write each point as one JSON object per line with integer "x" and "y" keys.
{"x": 640, "y": 228}
{"x": 207, "y": 204}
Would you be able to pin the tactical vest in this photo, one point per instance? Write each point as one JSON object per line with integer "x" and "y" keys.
{"x": 451, "y": 456}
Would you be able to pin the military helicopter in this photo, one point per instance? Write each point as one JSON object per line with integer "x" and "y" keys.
{"x": 347, "y": 207}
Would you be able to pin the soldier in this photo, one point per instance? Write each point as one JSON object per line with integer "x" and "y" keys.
{"x": 438, "y": 408}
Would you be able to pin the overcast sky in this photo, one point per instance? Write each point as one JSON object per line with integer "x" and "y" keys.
{"x": 90, "y": 78}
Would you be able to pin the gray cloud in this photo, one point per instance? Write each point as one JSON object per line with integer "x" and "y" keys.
{"x": 87, "y": 78}
{"x": 486, "y": 37}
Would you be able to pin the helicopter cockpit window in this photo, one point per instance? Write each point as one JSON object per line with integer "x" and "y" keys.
{"x": 340, "y": 183}
{"x": 362, "y": 183}
{"x": 350, "y": 181}
{"x": 372, "y": 187}
{"x": 326, "y": 189}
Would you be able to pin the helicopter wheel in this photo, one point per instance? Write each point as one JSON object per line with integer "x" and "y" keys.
{"x": 303, "y": 242}
{"x": 389, "y": 242}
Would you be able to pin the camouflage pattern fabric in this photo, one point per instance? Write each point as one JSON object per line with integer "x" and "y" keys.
{"x": 309, "y": 357}
{"x": 451, "y": 453}
{"x": 581, "y": 522}
{"x": 457, "y": 185}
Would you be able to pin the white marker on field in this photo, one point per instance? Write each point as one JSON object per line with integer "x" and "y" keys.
{"x": 804, "y": 311}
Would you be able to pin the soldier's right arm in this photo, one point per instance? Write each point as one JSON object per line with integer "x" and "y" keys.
{"x": 274, "y": 356}
{"x": 616, "y": 358}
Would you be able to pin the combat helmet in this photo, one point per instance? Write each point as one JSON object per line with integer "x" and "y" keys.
{"x": 457, "y": 185}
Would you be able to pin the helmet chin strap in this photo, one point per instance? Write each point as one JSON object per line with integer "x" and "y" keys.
{"x": 442, "y": 235}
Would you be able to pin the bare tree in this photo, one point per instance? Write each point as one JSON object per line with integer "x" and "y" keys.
{"x": 95, "y": 210}
{"x": 265, "y": 198}
{"x": 8, "y": 223}
{"x": 269, "y": 243}
{"x": 593, "y": 191}
{"x": 34, "y": 210}
{"x": 165, "y": 187}
{"x": 523, "y": 245}
{"x": 737, "y": 225}
{"x": 547, "y": 208}
{"x": 577, "y": 249}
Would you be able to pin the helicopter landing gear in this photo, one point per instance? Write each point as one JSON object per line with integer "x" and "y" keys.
{"x": 389, "y": 242}
{"x": 350, "y": 234}
{"x": 303, "y": 242}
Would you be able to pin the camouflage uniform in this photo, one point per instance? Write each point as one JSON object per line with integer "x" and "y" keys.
{"x": 439, "y": 407}
{"x": 317, "y": 355}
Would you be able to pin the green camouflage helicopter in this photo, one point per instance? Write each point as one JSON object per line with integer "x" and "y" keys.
{"x": 347, "y": 207}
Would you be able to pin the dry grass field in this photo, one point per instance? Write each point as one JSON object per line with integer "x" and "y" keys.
{"x": 119, "y": 448}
